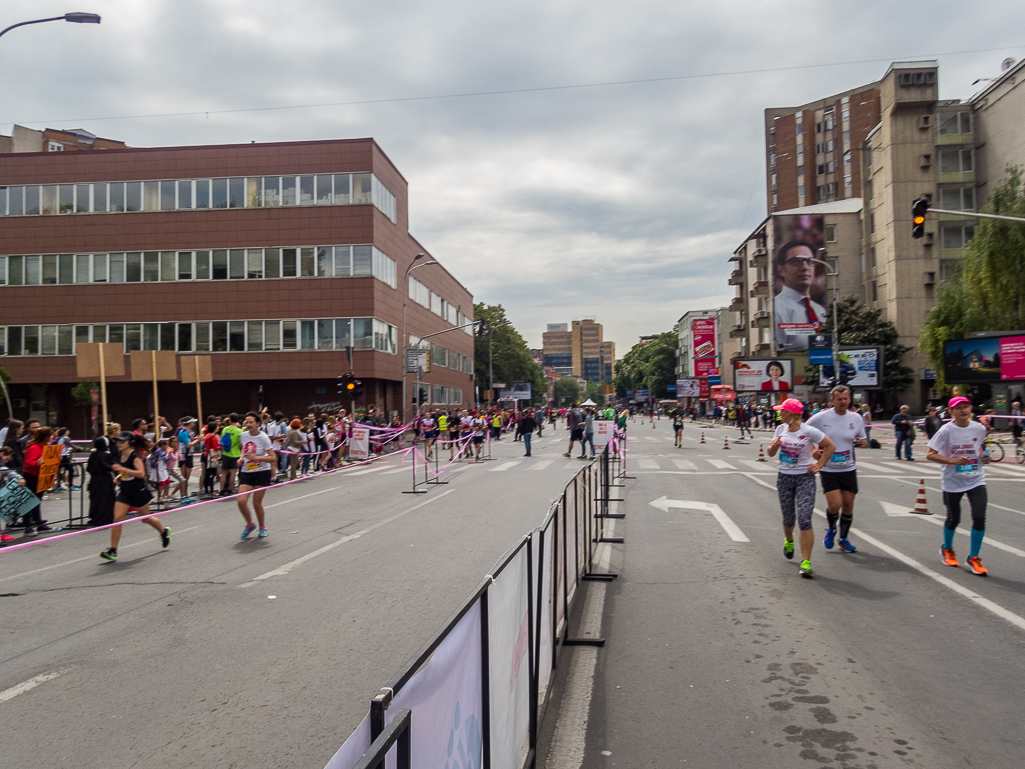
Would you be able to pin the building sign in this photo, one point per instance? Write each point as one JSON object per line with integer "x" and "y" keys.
{"x": 688, "y": 388}
{"x": 769, "y": 375}
{"x": 820, "y": 350}
{"x": 702, "y": 331}
{"x": 520, "y": 391}
{"x": 861, "y": 367}
{"x": 703, "y": 389}
{"x": 798, "y": 284}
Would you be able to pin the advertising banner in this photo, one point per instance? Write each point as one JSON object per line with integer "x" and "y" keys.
{"x": 769, "y": 375}
{"x": 508, "y": 639}
{"x": 520, "y": 391}
{"x": 820, "y": 349}
{"x": 703, "y": 389}
{"x": 702, "y": 331}
{"x": 862, "y": 367}
{"x": 359, "y": 442}
{"x": 602, "y": 432}
{"x": 445, "y": 699}
{"x": 547, "y": 570}
{"x": 798, "y": 284}
{"x": 1012, "y": 357}
{"x": 984, "y": 359}
{"x": 688, "y": 388}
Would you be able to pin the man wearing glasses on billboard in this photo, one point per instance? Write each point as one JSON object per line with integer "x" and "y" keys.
{"x": 793, "y": 303}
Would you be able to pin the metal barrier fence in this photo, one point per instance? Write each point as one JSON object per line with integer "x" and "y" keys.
{"x": 476, "y": 692}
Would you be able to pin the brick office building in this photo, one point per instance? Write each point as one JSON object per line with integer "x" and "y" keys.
{"x": 272, "y": 258}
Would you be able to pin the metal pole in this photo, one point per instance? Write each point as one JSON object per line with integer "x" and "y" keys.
{"x": 103, "y": 391}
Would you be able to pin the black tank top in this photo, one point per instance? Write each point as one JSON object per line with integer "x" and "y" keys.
{"x": 128, "y": 482}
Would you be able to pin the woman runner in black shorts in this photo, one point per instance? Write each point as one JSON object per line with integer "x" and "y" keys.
{"x": 133, "y": 491}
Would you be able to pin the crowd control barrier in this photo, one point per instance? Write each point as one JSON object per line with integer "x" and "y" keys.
{"x": 474, "y": 695}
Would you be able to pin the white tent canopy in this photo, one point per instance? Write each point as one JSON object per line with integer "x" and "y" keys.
{"x": 589, "y": 402}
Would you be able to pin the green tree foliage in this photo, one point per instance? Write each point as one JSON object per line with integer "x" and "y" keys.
{"x": 594, "y": 393}
{"x": 862, "y": 325}
{"x": 510, "y": 355}
{"x": 567, "y": 391}
{"x": 81, "y": 393}
{"x": 648, "y": 366}
{"x": 988, "y": 290}
{"x": 4, "y": 374}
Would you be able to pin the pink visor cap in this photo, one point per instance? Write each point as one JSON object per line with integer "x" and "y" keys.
{"x": 956, "y": 401}
{"x": 792, "y": 405}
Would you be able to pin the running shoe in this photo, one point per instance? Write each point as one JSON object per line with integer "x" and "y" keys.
{"x": 949, "y": 557}
{"x": 567, "y": 454}
{"x": 6, "y": 538}
{"x": 788, "y": 549}
{"x": 974, "y": 564}
{"x": 805, "y": 570}
{"x": 249, "y": 529}
{"x": 847, "y": 547}
{"x": 30, "y": 531}
{"x": 829, "y": 539}
{"x": 263, "y": 533}
{"x": 165, "y": 536}
{"x": 110, "y": 554}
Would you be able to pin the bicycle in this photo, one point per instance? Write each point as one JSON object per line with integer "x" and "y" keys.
{"x": 996, "y": 450}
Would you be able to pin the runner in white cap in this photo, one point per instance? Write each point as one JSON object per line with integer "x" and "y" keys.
{"x": 795, "y": 481}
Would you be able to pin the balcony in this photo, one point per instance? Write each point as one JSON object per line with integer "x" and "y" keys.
{"x": 760, "y": 288}
{"x": 736, "y": 258}
{"x": 763, "y": 347}
{"x": 760, "y": 319}
{"x": 760, "y": 258}
{"x": 736, "y": 278}
{"x": 738, "y": 331}
{"x": 737, "y": 304}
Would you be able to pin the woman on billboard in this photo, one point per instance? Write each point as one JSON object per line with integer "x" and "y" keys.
{"x": 775, "y": 383}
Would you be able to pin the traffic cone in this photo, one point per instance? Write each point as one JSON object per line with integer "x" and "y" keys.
{"x": 761, "y": 453}
{"x": 921, "y": 507}
{"x": 702, "y": 437}
{"x": 726, "y": 442}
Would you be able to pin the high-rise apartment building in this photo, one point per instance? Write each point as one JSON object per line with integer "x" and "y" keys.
{"x": 579, "y": 350}
{"x": 813, "y": 152}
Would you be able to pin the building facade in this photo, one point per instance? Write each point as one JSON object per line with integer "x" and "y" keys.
{"x": 579, "y": 350}
{"x": 271, "y": 258}
{"x": 687, "y": 367}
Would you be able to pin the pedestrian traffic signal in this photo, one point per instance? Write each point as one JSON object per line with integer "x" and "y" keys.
{"x": 480, "y": 327}
{"x": 918, "y": 209}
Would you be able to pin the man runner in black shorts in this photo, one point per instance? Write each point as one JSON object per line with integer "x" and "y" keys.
{"x": 846, "y": 429}
{"x": 255, "y": 473}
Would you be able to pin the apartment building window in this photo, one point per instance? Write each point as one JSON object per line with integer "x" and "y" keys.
{"x": 774, "y": 180}
{"x": 955, "y": 123}
{"x": 800, "y": 128}
{"x": 772, "y": 159}
{"x": 800, "y": 170}
{"x": 848, "y": 181}
{"x": 847, "y": 158}
{"x": 831, "y": 233}
{"x": 875, "y": 291}
{"x": 845, "y": 115}
{"x": 958, "y": 199}
{"x": 953, "y": 236}
{"x": 800, "y": 149}
{"x": 868, "y": 189}
{"x": 820, "y": 168}
{"x": 871, "y": 225}
{"x": 872, "y": 255}
{"x": 846, "y": 137}
{"x": 774, "y": 199}
{"x": 955, "y": 161}
{"x": 800, "y": 192}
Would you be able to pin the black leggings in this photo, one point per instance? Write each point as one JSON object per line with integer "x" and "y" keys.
{"x": 977, "y": 498}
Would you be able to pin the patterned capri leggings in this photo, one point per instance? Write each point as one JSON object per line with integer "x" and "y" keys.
{"x": 799, "y": 489}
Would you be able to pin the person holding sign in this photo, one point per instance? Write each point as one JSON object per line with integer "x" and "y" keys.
{"x": 960, "y": 447}
{"x": 839, "y": 476}
{"x": 795, "y": 481}
{"x": 34, "y": 471}
{"x": 258, "y": 460}
{"x": 131, "y": 470}
{"x": 10, "y": 485}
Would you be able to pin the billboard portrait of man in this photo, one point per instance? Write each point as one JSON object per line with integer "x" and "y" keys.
{"x": 799, "y": 284}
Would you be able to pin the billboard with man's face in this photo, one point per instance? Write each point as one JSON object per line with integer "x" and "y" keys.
{"x": 798, "y": 284}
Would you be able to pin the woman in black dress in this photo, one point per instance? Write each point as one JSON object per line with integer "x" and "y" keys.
{"x": 101, "y": 482}
{"x": 133, "y": 493}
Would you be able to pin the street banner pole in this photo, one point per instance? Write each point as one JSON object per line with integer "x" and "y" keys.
{"x": 100, "y": 360}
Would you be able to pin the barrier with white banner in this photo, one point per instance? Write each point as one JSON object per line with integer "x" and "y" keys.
{"x": 359, "y": 442}
{"x": 475, "y": 694}
{"x": 603, "y": 429}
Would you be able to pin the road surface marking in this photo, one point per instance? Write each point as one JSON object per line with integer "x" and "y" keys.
{"x": 29, "y": 685}
{"x": 685, "y": 464}
{"x": 505, "y": 466}
{"x": 721, "y": 464}
{"x": 754, "y": 463}
{"x": 368, "y": 470}
{"x": 286, "y": 568}
{"x": 991, "y": 468}
{"x": 732, "y": 529}
{"x": 971, "y": 595}
{"x": 914, "y": 470}
{"x": 400, "y": 470}
{"x": 647, "y": 464}
{"x": 899, "y": 511}
{"x": 542, "y": 464}
{"x": 875, "y": 468}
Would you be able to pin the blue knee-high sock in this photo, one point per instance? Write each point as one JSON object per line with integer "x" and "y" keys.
{"x": 948, "y": 538}
{"x": 976, "y": 542}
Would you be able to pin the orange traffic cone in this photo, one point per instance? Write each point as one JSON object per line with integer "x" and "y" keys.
{"x": 702, "y": 437}
{"x": 921, "y": 507}
{"x": 726, "y": 442}
{"x": 761, "y": 453}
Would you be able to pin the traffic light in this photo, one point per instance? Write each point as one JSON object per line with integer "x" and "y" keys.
{"x": 918, "y": 209}
{"x": 349, "y": 386}
{"x": 480, "y": 327}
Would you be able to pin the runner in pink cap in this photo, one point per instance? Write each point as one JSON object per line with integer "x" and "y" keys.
{"x": 792, "y": 405}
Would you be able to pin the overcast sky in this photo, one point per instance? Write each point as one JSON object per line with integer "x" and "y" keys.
{"x": 618, "y": 202}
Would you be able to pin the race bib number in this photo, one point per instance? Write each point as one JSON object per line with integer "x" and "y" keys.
{"x": 252, "y": 467}
{"x": 969, "y": 469}
{"x": 840, "y": 458}
{"x": 787, "y": 458}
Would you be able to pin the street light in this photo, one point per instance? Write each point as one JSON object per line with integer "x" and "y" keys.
{"x": 77, "y": 17}
{"x": 405, "y": 339}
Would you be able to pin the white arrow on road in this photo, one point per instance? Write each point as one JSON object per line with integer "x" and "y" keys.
{"x": 898, "y": 511}
{"x": 732, "y": 529}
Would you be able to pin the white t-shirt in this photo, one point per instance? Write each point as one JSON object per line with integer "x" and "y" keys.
{"x": 842, "y": 431}
{"x": 467, "y": 425}
{"x": 257, "y": 445}
{"x": 795, "y": 450}
{"x": 953, "y": 441}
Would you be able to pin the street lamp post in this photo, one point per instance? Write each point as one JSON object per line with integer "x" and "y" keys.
{"x": 76, "y": 17}
{"x": 405, "y": 339}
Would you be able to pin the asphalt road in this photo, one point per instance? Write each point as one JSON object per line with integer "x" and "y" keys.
{"x": 719, "y": 655}
{"x": 223, "y": 653}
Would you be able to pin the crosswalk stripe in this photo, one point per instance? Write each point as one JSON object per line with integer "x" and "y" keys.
{"x": 875, "y": 468}
{"x": 1001, "y": 470}
{"x": 721, "y": 464}
{"x": 369, "y": 470}
{"x": 758, "y": 465}
{"x": 919, "y": 468}
{"x": 504, "y": 466}
{"x": 685, "y": 464}
{"x": 647, "y": 464}
{"x": 542, "y": 464}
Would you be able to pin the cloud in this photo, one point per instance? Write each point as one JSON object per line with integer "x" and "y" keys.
{"x": 620, "y": 202}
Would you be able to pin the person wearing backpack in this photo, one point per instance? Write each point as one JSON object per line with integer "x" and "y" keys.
{"x": 231, "y": 450}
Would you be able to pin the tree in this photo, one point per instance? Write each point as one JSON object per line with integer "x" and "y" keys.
{"x": 987, "y": 292}
{"x": 862, "y": 325}
{"x": 82, "y": 395}
{"x": 507, "y": 351}
{"x": 648, "y": 366}
{"x": 594, "y": 393}
{"x": 567, "y": 391}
